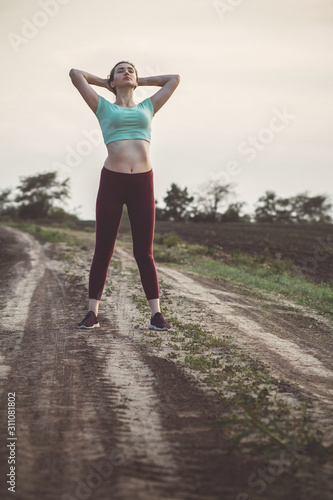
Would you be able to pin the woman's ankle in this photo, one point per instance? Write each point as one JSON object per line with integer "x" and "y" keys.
{"x": 94, "y": 305}
{"x": 154, "y": 305}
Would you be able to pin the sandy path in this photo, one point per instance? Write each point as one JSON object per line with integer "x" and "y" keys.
{"x": 95, "y": 415}
{"x": 285, "y": 357}
{"x": 101, "y": 417}
{"x": 308, "y": 367}
{"x": 16, "y": 298}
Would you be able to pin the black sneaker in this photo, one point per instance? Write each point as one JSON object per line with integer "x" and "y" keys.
{"x": 90, "y": 321}
{"x": 158, "y": 323}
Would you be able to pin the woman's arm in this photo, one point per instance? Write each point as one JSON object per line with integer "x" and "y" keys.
{"x": 82, "y": 81}
{"x": 169, "y": 83}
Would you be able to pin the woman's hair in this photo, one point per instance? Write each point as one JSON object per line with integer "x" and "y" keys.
{"x": 111, "y": 75}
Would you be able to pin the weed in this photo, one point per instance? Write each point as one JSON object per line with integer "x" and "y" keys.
{"x": 169, "y": 240}
{"x": 172, "y": 355}
{"x": 108, "y": 291}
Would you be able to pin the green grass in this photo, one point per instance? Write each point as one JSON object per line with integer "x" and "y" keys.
{"x": 254, "y": 272}
{"x": 45, "y": 234}
{"x": 55, "y": 233}
{"x": 249, "y": 400}
{"x": 257, "y": 273}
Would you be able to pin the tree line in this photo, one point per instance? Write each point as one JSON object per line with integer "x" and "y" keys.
{"x": 209, "y": 204}
{"x": 39, "y": 196}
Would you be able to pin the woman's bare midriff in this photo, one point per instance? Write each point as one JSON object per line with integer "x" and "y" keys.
{"x": 129, "y": 156}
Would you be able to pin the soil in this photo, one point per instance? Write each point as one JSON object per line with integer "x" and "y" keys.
{"x": 101, "y": 415}
{"x": 308, "y": 246}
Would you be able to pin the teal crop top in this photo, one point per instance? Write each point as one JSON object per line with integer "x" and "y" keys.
{"x": 118, "y": 123}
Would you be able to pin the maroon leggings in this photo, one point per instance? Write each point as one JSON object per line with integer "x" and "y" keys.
{"x": 137, "y": 192}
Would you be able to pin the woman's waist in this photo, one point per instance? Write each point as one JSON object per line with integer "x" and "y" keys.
{"x": 129, "y": 156}
{"x": 127, "y": 167}
{"x": 128, "y": 148}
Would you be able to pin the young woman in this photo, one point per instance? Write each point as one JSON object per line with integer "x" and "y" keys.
{"x": 126, "y": 177}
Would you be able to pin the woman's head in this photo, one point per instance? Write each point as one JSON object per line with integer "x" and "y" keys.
{"x": 118, "y": 73}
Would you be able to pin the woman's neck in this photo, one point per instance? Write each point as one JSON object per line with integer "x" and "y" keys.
{"x": 125, "y": 98}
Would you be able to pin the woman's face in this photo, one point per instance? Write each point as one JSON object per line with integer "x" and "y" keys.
{"x": 124, "y": 75}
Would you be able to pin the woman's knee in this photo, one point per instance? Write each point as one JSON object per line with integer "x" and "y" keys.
{"x": 102, "y": 259}
{"x": 143, "y": 257}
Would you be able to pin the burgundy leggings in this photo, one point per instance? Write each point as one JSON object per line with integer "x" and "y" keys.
{"x": 137, "y": 192}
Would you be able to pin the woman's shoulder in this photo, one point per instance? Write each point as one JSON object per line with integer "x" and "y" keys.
{"x": 148, "y": 103}
{"x": 103, "y": 104}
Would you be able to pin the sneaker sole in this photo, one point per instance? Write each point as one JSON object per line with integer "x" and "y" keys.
{"x": 152, "y": 327}
{"x": 89, "y": 327}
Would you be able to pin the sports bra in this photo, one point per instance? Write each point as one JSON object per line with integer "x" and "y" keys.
{"x": 118, "y": 123}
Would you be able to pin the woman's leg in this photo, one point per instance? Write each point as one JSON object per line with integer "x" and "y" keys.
{"x": 109, "y": 208}
{"x": 141, "y": 211}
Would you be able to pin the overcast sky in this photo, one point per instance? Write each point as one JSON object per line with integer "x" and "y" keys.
{"x": 254, "y": 105}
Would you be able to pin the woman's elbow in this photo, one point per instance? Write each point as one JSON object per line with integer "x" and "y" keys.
{"x": 176, "y": 80}
{"x": 73, "y": 72}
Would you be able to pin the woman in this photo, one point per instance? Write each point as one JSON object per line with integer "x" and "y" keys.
{"x": 126, "y": 178}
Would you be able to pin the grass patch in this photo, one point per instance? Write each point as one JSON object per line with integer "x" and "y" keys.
{"x": 252, "y": 406}
{"x": 259, "y": 272}
{"x": 254, "y": 272}
{"x": 47, "y": 235}
{"x": 261, "y": 415}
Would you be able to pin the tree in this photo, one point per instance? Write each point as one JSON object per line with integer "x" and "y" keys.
{"x": 210, "y": 197}
{"x": 284, "y": 209}
{"x": 312, "y": 208}
{"x": 232, "y": 214}
{"x": 7, "y": 207}
{"x": 177, "y": 201}
{"x": 299, "y": 208}
{"x": 266, "y": 212}
{"x": 4, "y": 200}
{"x": 39, "y": 193}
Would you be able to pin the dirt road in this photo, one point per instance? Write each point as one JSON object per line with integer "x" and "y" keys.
{"x": 103, "y": 415}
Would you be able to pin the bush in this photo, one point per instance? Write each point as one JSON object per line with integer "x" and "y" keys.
{"x": 169, "y": 239}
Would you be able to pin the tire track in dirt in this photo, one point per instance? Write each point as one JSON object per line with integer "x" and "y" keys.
{"x": 159, "y": 412}
{"x": 148, "y": 467}
{"x": 17, "y": 290}
{"x": 56, "y": 420}
{"x": 58, "y": 426}
{"x": 84, "y": 396}
{"x": 169, "y": 421}
{"x": 24, "y": 276}
{"x": 285, "y": 357}
{"x": 304, "y": 365}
